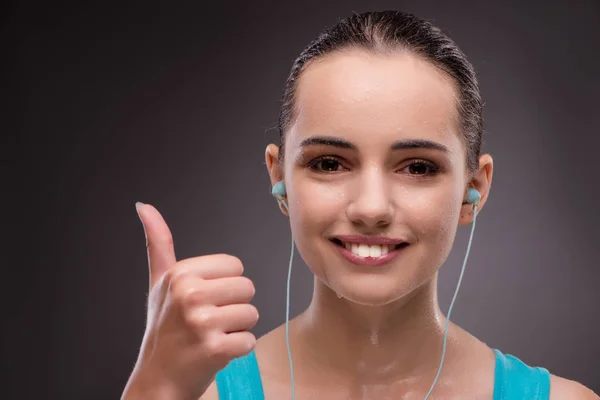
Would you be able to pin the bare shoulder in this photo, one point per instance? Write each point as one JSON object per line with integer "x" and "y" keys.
{"x": 211, "y": 393}
{"x": 565, "y": 389}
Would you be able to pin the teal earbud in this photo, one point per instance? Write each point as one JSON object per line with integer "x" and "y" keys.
{"x": 473, "y": 196}
{"x": 278, "y": 190}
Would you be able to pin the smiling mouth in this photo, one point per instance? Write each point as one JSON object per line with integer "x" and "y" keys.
{"x": 365, "y": 250}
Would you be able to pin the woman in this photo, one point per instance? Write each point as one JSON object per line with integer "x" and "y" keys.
{"x": 381, "y": 128}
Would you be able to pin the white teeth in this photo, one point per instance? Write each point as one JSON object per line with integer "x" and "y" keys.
{"x": 365, "y": 250}
{"x": 374, "y": 251}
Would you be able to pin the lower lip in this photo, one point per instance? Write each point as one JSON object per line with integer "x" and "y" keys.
{"x": 368, "y": 261}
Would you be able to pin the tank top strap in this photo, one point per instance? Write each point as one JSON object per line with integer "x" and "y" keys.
{"x": 240, "y": 379}
{"x": 514, "y": 380}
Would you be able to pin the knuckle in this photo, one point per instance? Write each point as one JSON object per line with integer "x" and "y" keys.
{"x": 196, "y": 296}
{"x": 181, "y": 294}
{"x": 214, "y": 349}
{"x": 192, "y": 296}
{"x": 189, "y": 318}
{"x": 184, "y": 290}
{"x": 201, "y": 320}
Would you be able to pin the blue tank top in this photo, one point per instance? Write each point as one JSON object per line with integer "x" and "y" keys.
{"x": 513, "y": 380}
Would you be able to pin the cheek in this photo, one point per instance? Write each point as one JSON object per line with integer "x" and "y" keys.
{"x": 315, "y": 211}
{"x": 433, "y": 218}
{"x": 314, "y": 206}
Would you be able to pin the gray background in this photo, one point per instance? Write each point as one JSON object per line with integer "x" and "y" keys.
{"x": 174, "y": 106}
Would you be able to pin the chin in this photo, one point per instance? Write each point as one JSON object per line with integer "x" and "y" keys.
{"x": 374, "y": 291}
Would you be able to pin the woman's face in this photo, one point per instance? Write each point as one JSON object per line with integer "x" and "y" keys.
{"x": 375, "y": 152}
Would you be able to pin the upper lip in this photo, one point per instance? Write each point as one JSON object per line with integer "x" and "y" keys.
{"x": 368, "y": 239}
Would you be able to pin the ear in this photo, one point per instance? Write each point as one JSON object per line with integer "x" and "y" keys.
{"x": 482, "y": 182}
{"x": 275, "y": 169}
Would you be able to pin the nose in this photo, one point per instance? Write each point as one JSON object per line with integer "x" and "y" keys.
{"x": 371, "y": 205}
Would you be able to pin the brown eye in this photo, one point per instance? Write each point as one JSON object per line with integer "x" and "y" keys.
{"x": 421, "y": 168}
{"x": 418, "y": 169}
{"x": 325, "y": 164}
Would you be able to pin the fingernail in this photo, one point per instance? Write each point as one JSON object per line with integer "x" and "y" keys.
{"x": 138, "y": 205}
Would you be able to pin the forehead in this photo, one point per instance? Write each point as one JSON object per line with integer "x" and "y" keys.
{"x": 356, "y": 93}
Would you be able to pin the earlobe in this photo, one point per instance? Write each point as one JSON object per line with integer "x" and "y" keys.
{"x": 283, "y": 209}
{"x": 282, "y": 202}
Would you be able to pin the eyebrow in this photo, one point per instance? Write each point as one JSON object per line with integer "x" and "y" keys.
{"x": 398, "y": 145}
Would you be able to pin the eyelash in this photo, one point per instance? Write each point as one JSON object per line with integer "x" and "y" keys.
{"x": 433, "y": 168}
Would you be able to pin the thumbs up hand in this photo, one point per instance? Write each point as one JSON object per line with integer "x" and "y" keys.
{"x": 198, "y": 318}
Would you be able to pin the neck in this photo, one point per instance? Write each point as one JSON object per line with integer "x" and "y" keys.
{"x": 401, "y": 340}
